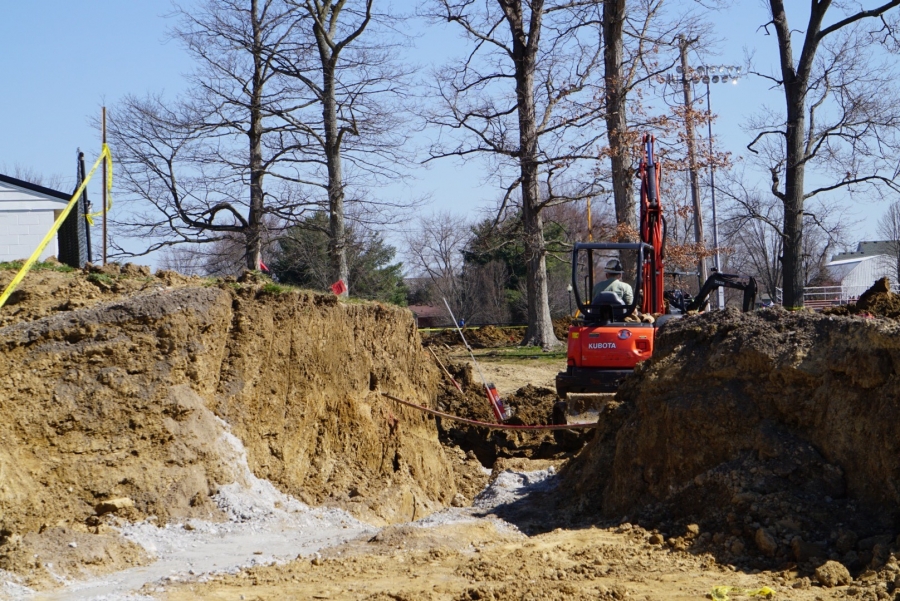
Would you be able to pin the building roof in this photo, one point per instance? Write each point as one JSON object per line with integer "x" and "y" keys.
{"x": 869, "y": 248}
{"x": 835, "y": 262}
{"x": 18, "y": 183}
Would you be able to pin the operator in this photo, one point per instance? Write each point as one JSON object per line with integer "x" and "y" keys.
{"x": 614, "y": 283}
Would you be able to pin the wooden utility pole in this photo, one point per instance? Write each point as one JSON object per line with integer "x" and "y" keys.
{"x": 684, "y": 43}
{"x": 105, "y": 191}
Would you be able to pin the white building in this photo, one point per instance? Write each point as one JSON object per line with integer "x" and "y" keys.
{"x": 855, "y": 272}
{"x": 27, "y": 211}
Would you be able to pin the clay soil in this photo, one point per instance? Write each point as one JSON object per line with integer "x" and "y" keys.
{"x": 122, "y": 385}
{"x": 477, "y": 561}
{"x": 752, "y": 451}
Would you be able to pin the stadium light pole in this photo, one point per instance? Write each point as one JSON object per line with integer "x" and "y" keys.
{"x": 711, "y": 74}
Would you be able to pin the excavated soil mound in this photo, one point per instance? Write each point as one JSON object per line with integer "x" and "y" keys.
{"x": 877, "y": 300}
{"x": 480, "y": 337}
{"x": 766, "y": 437}
{"x": 52, "y": 288}
{"x": 128, "y": 407}
{"x": 561, "y": 327}
{"x": 531, "y": 405}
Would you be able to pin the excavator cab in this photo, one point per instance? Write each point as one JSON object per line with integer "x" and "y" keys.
{"x": 606, "y": 306}
{"x": 606, "y": 341}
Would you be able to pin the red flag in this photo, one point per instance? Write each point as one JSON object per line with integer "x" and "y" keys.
{"x": 262, "y": 266}
{"x": 339, "y": 287}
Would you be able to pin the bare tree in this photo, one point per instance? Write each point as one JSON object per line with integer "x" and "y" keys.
{"x": 639, "y": 45}
{"x": 889, "y": 230}
{"x": 486, "y": 301}
{"x": 350, "y": 88}
{"x": 434, "y": 249}
{"x": 32, "y": 176}
{"x": 522, "y": 98}
{"x": 753, "y": 230}
{"x": 840, "y": 119}
{"x": 183, "y": 260}
{"x": 293, "y": 109}
{"x": 198, "y": 166}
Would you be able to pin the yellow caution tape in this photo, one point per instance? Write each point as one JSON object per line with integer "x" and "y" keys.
{"x": 104, "y": 154}
{"x": 109, "y": 180}
{"x": 720, "y": 593}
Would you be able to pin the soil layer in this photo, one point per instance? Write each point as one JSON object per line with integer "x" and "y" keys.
{"x": 123, "y": 407}
{"x": 773, "y": 431}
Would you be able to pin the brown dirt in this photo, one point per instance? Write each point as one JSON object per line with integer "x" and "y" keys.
{"x": 70, "y": 552}
{"x": 772, "y": 430}
{"x": 561, "y": 327}
{"x": 531, "y": 405}
{"x": 475, "y": 562}
{"x": 877, "y": 301}
{"x": 508, "y": 373}
{"x": 47, "y": 292}
{"x": 749, "y": 451}
{"x": 121, "y": 398}
{"x": 478, "y": 337}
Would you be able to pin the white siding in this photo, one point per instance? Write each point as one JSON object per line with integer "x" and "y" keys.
{"x": 25, "y": 217}
{"x": 21, "y": 232}
{"x": 857, "y": 275}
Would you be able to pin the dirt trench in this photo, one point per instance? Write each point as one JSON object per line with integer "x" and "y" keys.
{"x": 132, "y": 399}
{"x": 772, "y": 433}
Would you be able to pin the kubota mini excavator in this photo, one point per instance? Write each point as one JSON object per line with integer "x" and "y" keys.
{"x": 603, "y": 348}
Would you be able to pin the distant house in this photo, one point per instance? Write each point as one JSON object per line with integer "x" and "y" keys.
{"x": 27, "y": 212}
{"x": 854, "y": 272}
{"x": 430, "y": 317}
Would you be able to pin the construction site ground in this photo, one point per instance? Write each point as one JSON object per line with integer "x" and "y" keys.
{"x": 166, "y": 437}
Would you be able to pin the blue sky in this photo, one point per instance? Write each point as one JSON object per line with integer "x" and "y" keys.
{"x": 63, "y": 60}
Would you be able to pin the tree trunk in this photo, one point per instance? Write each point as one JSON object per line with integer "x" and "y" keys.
{"x": 323, "y": 24}
{"x": 525, "y": 44}
{"x": 795, "y": 82}
{"x": 253, "y": 232}
{"x": 617, "y": 131}
{"x": 338, "y": 240}
{"x": 699, "y": 237}
{"x": 792, "y": 259}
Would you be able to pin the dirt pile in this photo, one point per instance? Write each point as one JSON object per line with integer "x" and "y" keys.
{"x": 561, "y": 327}
{"x": 478, "y": 337}
{"x": 531, "y": 405}
{"x": 133, "y": 399}
{"x": 877, "y": 300}
{"x": 52, "y": 288}
{"x": 773, "y": 432}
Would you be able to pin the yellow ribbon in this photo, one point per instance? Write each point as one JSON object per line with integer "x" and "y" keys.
{"x": 104, "y": 154}
{"x": 720, "y": 593}
{"x": 109, "y": 180}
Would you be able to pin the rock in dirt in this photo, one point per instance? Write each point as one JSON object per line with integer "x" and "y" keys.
{"x": 833, "y": 573}
{"x": 766, "y": 543}
{"x": 113, "y": 505}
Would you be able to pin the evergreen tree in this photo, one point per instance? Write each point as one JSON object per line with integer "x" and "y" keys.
{"x": 302, "y": 260}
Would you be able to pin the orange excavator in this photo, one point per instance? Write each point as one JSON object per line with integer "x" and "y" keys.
{"x": 609, "y": 339}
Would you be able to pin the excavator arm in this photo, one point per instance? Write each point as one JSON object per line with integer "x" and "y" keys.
{"x": 726, "y": 280}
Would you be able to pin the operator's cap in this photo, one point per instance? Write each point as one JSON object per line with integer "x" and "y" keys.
{"x": 613, "y": 266}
